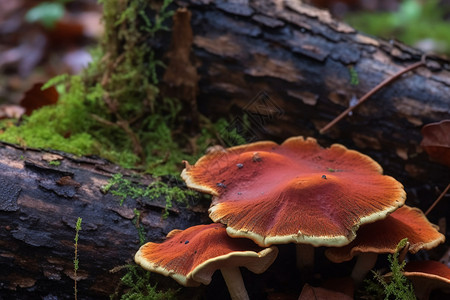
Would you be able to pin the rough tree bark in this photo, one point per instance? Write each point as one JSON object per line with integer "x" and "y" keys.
{"x": 39, "y": 207}
{"x": 303, "y": 60}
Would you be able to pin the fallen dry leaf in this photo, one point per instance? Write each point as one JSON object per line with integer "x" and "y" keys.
{"x": 436, "y": 141}
{"x": 36, "y": 98}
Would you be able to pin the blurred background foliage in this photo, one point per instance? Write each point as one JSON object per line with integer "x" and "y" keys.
{"x": 424, "y": 24}
{"x": 41, "y": 39}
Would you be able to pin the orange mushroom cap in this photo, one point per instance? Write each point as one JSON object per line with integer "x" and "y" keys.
{"x": 428, "y": 268}
{"x": 191, "y": 256}
{"x": 294, "y": 192}
{"x": 384, "y": 235}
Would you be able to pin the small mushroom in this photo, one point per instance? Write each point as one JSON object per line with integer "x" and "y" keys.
{"x": 383, "y": 236}
{"x": 427, "y": 276}
{"x": 192, "y": 256}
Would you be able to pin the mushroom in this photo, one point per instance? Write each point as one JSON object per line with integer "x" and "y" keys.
{"x": 427, "y": 276}
{"x": 383, "y": 237}
{"x": 192, "y": 256}
{"x": 296, "y": 192}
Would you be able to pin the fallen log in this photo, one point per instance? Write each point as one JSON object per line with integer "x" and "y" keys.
{"x": 40, "y": 203}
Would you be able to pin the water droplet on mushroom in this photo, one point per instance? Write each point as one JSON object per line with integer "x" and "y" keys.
{"x": 240, "y": 166}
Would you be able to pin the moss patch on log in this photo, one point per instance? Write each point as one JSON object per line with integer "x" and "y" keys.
{"x": 115, "y": 109}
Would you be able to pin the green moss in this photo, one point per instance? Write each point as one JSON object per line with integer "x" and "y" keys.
{"x": 125, "y": 188}
{"x": 398, "y": 287}
{"x": 61, "y": 126}
{"x": 139, "y": 287}
{"x": 354, "y": 80}
{"x": 123, "y": 75}
{"x": 114, "y": 109}
{"x": 54, "y": 163}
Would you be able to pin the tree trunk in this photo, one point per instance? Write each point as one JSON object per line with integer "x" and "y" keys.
{"x": 291, "y": 69}
{"x": 39, "y": 207}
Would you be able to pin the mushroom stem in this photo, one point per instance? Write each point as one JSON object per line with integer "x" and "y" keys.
{"x": 305, "y": 256}
{"x": 235, "y": 283}
{"x": 364, "y": 263}
{"x": 423, "y": 290}
{"x": 402, "y": 252}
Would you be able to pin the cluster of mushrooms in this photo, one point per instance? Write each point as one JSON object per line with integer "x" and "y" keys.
{"x": 297, "y": 192}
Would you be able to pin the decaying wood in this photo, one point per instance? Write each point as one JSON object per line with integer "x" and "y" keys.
{"x": 39, "y": 207}
{"x": 288, "y": 66}
{"x": 181, "y": 75}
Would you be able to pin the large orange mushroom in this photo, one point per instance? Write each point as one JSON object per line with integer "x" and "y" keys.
{"x": 192, "y": 256}
{"x": 294, "y": 192}
{"x": 383, "y": 237}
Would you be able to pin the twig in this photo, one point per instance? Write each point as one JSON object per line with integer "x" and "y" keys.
{"x": 371, "y": 92}
{"x": 137, "y": 147}
{"x": 103, "y": 121}
{"x": 438, "y": 199}
{"x": 125, "y": 126}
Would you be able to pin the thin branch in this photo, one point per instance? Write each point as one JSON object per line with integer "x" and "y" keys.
{"x": 438, "y": 199}
{"x": 137, "y": 147}
{"x": 103, "y": 121}
{"x": 371, "y": 92}
{"x": 125, "y": 126}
